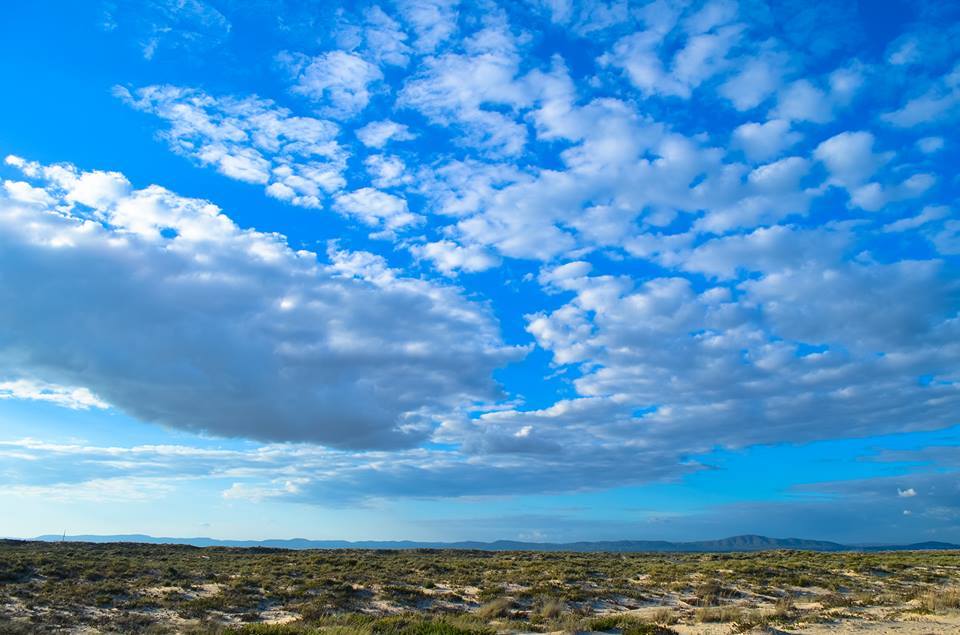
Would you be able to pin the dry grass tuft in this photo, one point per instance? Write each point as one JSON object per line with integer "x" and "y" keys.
{"x": 499, "y": 607}
{"x": 718, "y": 614}
{"x": 940, "y": 600}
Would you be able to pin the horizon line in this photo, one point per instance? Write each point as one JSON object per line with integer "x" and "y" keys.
{"x": 414, "y": 544}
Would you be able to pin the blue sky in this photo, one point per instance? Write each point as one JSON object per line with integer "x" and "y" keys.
{"x": 432, "y": 269}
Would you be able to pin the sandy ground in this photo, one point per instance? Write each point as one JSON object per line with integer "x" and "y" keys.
{"x": 908, "y": 625}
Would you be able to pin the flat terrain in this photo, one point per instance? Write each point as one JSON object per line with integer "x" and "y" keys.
{"x": 109, "y": 588}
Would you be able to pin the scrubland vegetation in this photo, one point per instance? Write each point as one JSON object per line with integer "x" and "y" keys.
{"x": 127, "y": 588}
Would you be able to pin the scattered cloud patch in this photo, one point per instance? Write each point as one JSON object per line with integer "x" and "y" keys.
{"x": 297, "y": 159}
{"x": 158, "y": 26}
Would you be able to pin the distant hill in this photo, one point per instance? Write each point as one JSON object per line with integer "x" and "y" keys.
{"x": 733, "y": 544}
{"x": 917, "y": 546}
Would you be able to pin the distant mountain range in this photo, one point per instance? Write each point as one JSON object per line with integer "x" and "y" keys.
{"x": 733, "y": 544}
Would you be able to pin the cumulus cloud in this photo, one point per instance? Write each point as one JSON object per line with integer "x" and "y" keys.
{"x": 817, "y": 101}
{"x": 449, "y": 257}
{"x": 757, "y": 80}
{"x": 337, "y": 81}
{"x": 850, "y": 157}
{"x": 377, "y": 134}
{"x": 376, "y": 208}
{"x": 765, "y": 250}
{"x": 224, "y": 329}
{"x": 766, "y": 140}
{"x": 386, "y": 170}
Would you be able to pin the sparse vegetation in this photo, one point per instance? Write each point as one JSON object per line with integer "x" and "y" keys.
{"x": 133, "y": 588}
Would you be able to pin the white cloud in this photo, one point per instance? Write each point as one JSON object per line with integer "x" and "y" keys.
{"x": 376, "y": 208}
{"x": 386, "y": 170}
{"x": 637, "y": 55}
{"x": 806, "y": 101}
{"x": 97, "y": 490}
{"x": 840, "y": 304}
{"x": 434, "y": 21}
{"x": 771, "y": 192}
{"x": 931, "y": 145}
{"x": 850, "y": 158}
{"x": 761, "y": 141}
{"x": 927, "y": 215}
{"x": 923, "y": 109}
{"x": 449, "y": 257}
{"x": 463, "y": 188}
{"x": 764, "y": 250}
{"x": 73, "y": 397}
{"x": 452, "y": 90}
{"x": 337, "y": 81}
{"x": 852, "y": 163}
{"x": 707, "y": 35}
{"x": 385, "y": 40}
{"x": 845, "y": 83}
{"x": 874, "y": 196}
{"x": 377, "y": 134}
{"x": 586, "y": 17}
{"x": 757, "y": 79}
{"x": 803, "y": 101}
{"x": 705, "y": 55}
{"x": 224, "y": 328}
{"x": 941, "y": 100}
{"x": 23, "y": 192}
{"x": 947, "y": 240}
{"x": 253, "y": 140}
{"x": 906, "y": 493}
{"x": 904, "y": 51}
{"x": 623, "y": 174}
